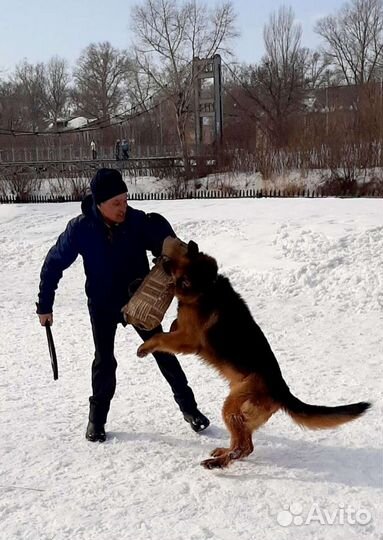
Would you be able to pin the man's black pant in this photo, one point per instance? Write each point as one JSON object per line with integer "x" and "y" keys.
{"x": 104, "y": 366}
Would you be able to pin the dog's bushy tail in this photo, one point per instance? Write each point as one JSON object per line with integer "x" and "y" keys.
{"x": 321, "y": 417}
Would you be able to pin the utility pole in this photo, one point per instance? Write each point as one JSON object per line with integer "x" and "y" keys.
{"x": 327, "y": 101}
{"x": 161, "y": 134}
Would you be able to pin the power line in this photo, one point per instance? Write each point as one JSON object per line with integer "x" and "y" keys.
{"x": 245, "y": 86}
{"x": 97, "y": 124}
{"x": 238, "y": 103}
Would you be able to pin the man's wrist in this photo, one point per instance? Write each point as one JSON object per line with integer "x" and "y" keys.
{"x": 42, "y": 309}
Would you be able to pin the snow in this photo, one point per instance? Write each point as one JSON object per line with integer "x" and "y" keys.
{"x": 226, "y": 182}
{"x": 311, "y": 273}
{"x": 79, "y": 121}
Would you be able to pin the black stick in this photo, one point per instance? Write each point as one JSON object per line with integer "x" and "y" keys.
{"x": 52, "y": 351}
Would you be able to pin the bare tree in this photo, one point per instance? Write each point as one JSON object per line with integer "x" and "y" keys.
{"x": 55, "y": 88}
{"x": 168, "y": 35}
{"x": 99, "y": 77}
{"x": 354, "y": 40}
{"x": 317, "y": 69}
{"x": 29, "y": 79}
{"x": 10, "y": 105}
{"x": 140, "y": 87}
{"x": 282, "y": 37}
{"x": 277, "y": 85}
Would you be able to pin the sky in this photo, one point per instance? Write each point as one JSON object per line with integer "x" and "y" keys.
{"x": 39, "y": 29}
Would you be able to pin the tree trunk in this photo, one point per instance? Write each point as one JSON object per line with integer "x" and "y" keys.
{"x": 181, "y": 120}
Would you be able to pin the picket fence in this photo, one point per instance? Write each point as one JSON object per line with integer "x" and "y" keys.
{"x": 211, "y": 194}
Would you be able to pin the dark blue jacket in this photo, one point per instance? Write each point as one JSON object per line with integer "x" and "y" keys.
{"x": 113, "y": 257}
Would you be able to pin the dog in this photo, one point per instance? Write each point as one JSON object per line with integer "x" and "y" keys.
{"x": 214, "y": 322}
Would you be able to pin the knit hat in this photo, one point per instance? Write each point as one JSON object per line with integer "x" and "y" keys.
{"x": 106, "y": 184}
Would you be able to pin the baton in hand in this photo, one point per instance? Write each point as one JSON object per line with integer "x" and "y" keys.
{"x": 52, "y": 351}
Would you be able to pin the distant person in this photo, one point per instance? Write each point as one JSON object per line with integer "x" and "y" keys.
{"x": 93, "y": 149}
{"x": 117, "y": 150}
{"x": 125, "y": 149}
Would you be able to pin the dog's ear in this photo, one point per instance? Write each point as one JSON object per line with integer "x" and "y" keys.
{"x": 210, "y": 268}
{"x": 204, "y": 271}
{"x": 193, "y": 249}
{"x": 199, "y": 275}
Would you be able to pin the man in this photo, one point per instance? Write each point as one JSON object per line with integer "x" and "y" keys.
{"x": 125, "y": 149}
{"x": 93, "y": 149}
{"x": 117, "y": 150}
{"x": 112, "y": 239}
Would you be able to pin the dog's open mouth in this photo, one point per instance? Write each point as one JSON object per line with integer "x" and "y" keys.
{"x": 172, "y": 250}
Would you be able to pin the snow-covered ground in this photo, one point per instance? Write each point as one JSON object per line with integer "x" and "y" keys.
{"x": 290, "y": 180}
{"x": 311, "y": 272}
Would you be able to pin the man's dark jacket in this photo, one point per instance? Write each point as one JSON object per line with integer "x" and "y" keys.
{"x": 113, "y": 257}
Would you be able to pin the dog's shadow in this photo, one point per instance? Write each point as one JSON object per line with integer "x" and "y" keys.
{"x": 313, "y": 461}
{"x": 309, "y": 461}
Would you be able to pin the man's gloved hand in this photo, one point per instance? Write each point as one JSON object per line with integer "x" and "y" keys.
{"x": 44, "y": 318}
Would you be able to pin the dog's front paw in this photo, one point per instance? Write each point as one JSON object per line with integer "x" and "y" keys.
{"x": 143, "y": 350}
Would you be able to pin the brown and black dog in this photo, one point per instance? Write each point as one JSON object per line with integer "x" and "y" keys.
{"x": 214, "y": 322}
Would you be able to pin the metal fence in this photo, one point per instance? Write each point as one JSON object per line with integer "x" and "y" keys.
{"x": 70, "y": 152}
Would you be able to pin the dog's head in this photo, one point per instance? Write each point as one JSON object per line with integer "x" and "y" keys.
{"x": 193, "y": 272}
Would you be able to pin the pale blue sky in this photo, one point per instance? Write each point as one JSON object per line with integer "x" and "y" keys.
{"x": 39, "y": 29}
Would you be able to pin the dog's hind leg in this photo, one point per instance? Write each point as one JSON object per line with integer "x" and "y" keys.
{"x": 241, "y": 444}
{"x": 246, "y": 409}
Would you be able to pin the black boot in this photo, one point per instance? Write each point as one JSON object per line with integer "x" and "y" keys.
{"x": 197, "y": 420}
{"x": 95, "y": 432}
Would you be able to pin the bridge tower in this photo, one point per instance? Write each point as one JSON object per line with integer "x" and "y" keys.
{"x": 208, "y": 109}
